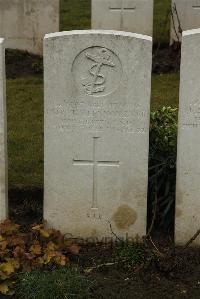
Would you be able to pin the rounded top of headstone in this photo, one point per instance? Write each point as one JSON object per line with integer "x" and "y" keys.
{"x": 2, "y": 40}
{"x": 98, "y": 32}
{"x": 191, "y": 32}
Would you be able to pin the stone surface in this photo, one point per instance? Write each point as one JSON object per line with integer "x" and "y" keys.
{"x": 186, "y": 15}
{"x": 188, "y": 163}
{"x": 25, "y": 22}
{"x": 126, "y": 15}
{"x": 3, "y": 137}
{"x": 97, "y": 98}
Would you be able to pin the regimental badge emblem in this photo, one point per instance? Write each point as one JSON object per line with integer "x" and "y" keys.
{"x": 97, "y": 71}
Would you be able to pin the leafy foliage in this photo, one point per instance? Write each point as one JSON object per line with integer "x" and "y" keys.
{"x": 39, "y": 248}
{"x": 130, "y": 254}
{"x": 58, "y": 284}
{"x": 162, "y": 166}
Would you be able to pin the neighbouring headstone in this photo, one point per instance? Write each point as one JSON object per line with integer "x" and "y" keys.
{"x": 97, "y": 102}
{"x": 3, "y": 138}
{"x": 24, "y": 23}
{"x": 185, "y": 16}
{"x": 188, "y": 162}
{"x": 126, "y": 15}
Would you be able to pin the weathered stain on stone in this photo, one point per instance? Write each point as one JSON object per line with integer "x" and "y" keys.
{"x": 179, "y": 197}
{"x": 94, "y": 233}
{"x": 124, "y": 217}
{"x": 178, "y": 212}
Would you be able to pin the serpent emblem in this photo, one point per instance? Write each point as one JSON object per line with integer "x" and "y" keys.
{"x": 96, "y": 81}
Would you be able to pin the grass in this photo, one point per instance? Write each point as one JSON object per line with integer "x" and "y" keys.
{"x": 25, "y": 132}
{"x": 66, "y": 283}
{"x": 165, "y": 90}
{"x": 130, "y": 254}
{"x": 162, "y": 21}
{"x": 76, "y": 14}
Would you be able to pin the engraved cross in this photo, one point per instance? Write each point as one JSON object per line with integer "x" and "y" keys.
{"x": 122, "y": 8}
{"x": 196, "y": 6}
{"x": 95, "y": 163}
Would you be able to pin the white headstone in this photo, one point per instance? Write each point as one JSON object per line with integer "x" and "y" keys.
{"x": 185, "y": 16}
{"x": 126, "y": 15}
{"x": 24, "y": 23}
{"x": 97, "y": 102}
{"x": 188, "y": 163}
{"x": 3, "y": 137}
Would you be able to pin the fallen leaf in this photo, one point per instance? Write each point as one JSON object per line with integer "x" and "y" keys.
{"x": 4, "y": 288}
{"x": 74, "y": 249}
{"x": 36, "y": 249}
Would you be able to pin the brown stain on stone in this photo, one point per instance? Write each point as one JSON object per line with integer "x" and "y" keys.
{"x": 94, "y": 233}
{"x": 178, "y": 212}
{"x": 179, "y": 197}
{"x": 124, "y": 217}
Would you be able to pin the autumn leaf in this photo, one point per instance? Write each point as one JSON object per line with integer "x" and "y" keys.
{"x": 74, "y": 249}
{"x": 1, "y": 238}
{"x": 48, "y": 257}
{"x": 29, "y": 256}
{"x": 3, "y": 276}
{"x": 37, "y": 227}
{"x": 4, "y": 288}
{"x": 61, "y": 260}
{"x": 18, "y": 252}
{"x": 3, "y": 245}
{"x": 44, "y": 233}
{"x": 7, "y": 268}
{"x": 36, "y": 249}
{"x": 51, "y": 246}
{"x": 7, "y": 227}
{"x": 16, "y": 240}
{"x": 26, "y": 251}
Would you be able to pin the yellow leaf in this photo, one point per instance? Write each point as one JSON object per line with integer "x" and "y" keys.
{"x": 37, "y": 227}
{"x": 48, "y": 257}
{"x": 4, "y": 288}
{"x": 15, "y": 240}
{"x": 15, "y": 263}
{"x": 7, "y": 227}
{"x": 44, "y": 233}
{"x": 36, "y": 249}
{"x": 3, "y": 245}
{"x": 61, "y": 260}
{"x": 3, "y": 276}
{"x": 74, "y": 249}
{"x": 51, "y": 246}
{"x": 7, "y": 268}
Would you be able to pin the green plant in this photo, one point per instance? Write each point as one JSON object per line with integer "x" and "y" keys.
{"x": 130, "y": 254}
{"x": 38, "y": 248}
{"x": 58, "y": 284}
{"x": 162, "y": 167}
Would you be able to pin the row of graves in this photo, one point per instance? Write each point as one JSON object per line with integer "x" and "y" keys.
{"x": 96, "y": 134}
{"x": 25, "y": 22}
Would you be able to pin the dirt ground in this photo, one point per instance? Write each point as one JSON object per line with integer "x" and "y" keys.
{"x": 165, "y": 272}
{"x": 20, "y": 64}
{"x": 166, "y": 60}
{"x": 176, "y": 276}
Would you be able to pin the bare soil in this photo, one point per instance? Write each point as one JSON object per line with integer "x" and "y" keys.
{"x": 22, "y": 63}
{"x": 176, "y": 276}
{"x": 166, "y": 272}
